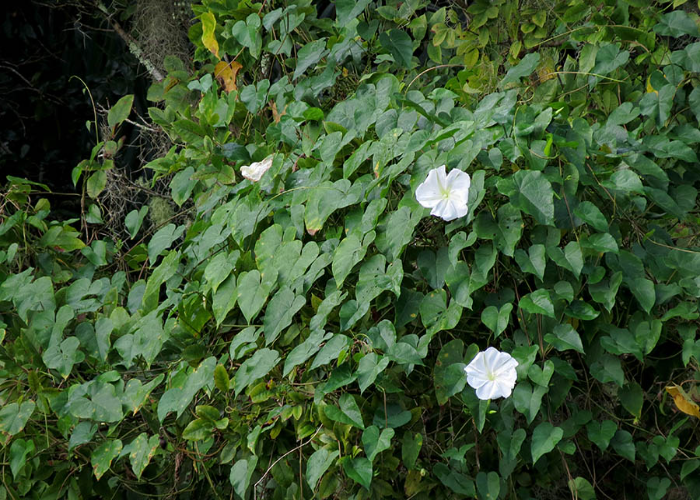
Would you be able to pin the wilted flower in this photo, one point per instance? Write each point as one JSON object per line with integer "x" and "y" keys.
{"x": 492, "y": 374}
{"x": 445, "y": 194}
{"x": 255, "y": 171}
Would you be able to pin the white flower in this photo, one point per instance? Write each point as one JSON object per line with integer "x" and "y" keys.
{"x": 445, "y": 194}
{"x": 492, "y": 374}
{"x": 255, "y": 171}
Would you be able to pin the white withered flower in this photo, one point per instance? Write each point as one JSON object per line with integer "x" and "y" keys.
{"x": 255, "y": 171}
{"x": 492, "y": 374}
{"x": 445, "y": 194}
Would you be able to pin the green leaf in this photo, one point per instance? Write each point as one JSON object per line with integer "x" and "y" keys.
{"x": 134, "y": 220}
{"x": 644, "y": 291}
{"x": 657, "y": 487}
{"x": 455, "y": 481}
{"x": 601, "y": 242}
{"x": 96, "y": 183}
{"x": 676, "y": 24}
{"x": 14, "y": 416}
{"x": 280, "y": 312}
{"x": 497, "y": 319}
{"x": 61, "y": 357}
{"x": 348, "y": 10}
{"x": 532, "y": 262}
{"x": 107, "y": 407}
{"x": 410, "y": 448}
{"x": 541, "y": 376}
{"x": 544, "y": 438}
{"x": 369, "y": 368}
{"x": 608, "y": 368}
{"x": 458, "y": 281}
{"x": 694, "y": 102}
{"x": 537, "y": 302}
{"x": 182, "y": 184}
{"x": 331, "y": 350}
{"x": 623, "y": 444}
{"x": 600, "y": 433}
{"x": 527, "y": 400}
{"x": 249, "y": 34}
{"x": 400, "y": 46}
{"x": 580, "y": 488}
{"x": 359, "y": 470}
{"x": 608, "y": 59}
{"x": 434, "y": 267}
{"x": 198, "y": 430}
{"x": 309, "y": 55}
{"x": 162, "y": 240}
{"x": 350, "y": 252}
{"x": 253, "y": 290}
{"x": 347, "y": 411}
{"x": 632, "y": 398}
{"x": 254, "y": 368}
{"x": 318, "y": 464}
{"x": 141, "y": 450}
{"x": 224, "y": 299}
{"x": 120, "y": 111}
{"x": 448, "y": 376}
{"x": 375, "y": 442}
{"x": 302, "y": 352}
{"x": 506, "y": 232}
{"x": 531, "y": 192}
{"x": 524, "y": 68}
{"x": 102, "y": 456}
{"x": 19, "y": 449}
{"x": 221, "y": 378}
{"x": 625, "y": 180}
{"x": 180, "y": 396}
{"x": 591, "y": 215}
{"x": 489, "y": 485}
{"x": 564, "y": 337}
{"x": 241, "y": 473}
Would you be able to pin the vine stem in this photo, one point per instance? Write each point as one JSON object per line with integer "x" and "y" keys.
{"x": 255, "y": 488}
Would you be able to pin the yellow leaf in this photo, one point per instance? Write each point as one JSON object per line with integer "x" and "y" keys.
{"x": 208, "y": 28}
{"x": 650, "y": 89}
{"x": 683, "y": 401}
{"x": 226, "y": 73}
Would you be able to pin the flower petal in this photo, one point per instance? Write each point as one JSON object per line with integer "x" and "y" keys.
{"x": 428, "y": 193}
{"x": 459, "y": 182}
{"x": 488, "y": 391}
{"x": 446, "y": 210}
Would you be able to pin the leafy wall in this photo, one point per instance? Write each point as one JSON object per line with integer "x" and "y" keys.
{"x": 305, "y": 334}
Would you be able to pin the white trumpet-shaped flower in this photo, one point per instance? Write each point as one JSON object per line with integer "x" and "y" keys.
{"x": 492, "y": 373}
{"x": 255, "y": 171}
{"x": 445, "y": 194}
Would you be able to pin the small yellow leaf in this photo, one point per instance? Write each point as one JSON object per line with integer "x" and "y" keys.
{"x": 208, "y": 28}
{"x": 650, "y": 89}
{"x": 226, "y": 73}
{"x": 683, "y": 401}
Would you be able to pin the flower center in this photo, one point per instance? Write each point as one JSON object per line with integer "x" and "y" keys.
{"x": 490, "y": 375}
{"x": 445, "y": 193}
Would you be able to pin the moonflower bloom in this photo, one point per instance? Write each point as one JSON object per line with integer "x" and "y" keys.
{"x": 255, "y": 171}
{"x": 492, "y": 374}
{"x": 445, "y": 194}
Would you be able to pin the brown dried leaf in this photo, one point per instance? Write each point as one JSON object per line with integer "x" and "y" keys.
{"x": 226, "y": 74}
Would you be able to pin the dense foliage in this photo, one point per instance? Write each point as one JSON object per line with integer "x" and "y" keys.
{"x": 306, "y": 335}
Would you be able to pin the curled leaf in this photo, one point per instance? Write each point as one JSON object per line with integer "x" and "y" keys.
{"x": 683, "y": 402}
{"x": 208, "y": 37}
